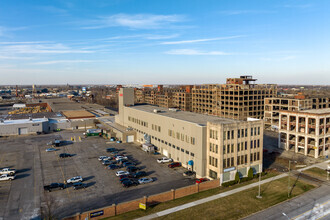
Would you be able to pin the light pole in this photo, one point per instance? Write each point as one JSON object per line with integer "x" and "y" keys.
{"x": 259, "y": 195}
{"x": 289, "y": 187}
{"x": 285, "y": 215}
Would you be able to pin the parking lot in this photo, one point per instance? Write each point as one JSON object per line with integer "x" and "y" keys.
{"x": 23, "y": 197}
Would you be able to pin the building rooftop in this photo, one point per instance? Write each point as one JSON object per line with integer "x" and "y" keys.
{"x": 317, "y": 111}
{"x": 78, "y": 114}
{"x": 33, "y": 115}
{"x": 23, "y": 121}
{"x": 192, "y": 117}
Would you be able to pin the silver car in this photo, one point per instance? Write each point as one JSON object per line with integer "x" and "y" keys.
{"x": 145, "y": 180}
{"x": 75, "y": 179}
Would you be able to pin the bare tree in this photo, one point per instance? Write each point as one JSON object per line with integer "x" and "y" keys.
{"x": 48, "y": 208}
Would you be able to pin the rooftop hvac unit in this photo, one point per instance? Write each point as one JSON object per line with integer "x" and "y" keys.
{"x": 157, "y": 111}
{"x": 173, "y": 109}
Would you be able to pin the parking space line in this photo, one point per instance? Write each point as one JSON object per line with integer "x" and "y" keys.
{"x": 3, "y": 156}
{"x": 67, "y": 190}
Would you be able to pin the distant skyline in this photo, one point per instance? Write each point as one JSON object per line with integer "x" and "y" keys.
{"x": 164, "y": 42}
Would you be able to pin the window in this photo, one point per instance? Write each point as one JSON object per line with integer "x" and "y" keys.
{"x": 242, "y": 132}
{"x": 228, "y": 149}
{"x": 245, "y": 145}
{"x": 258, "y": 130}
{"x": 224, "y": 163}
{"x": 187, "y": 152}
{"x": 246, "y": 134}
{"x": 182, "y": 150}
{"x": 232, "y": 134}
{"x": 216, "y": 162}
{"x": 224, "y": 135}
{"x": 245, "y": 158}
{"x": 255, "y": 131}
{"x": 232, "y": 162}
{"x": 238, "y": 160}
{"x": 210, "y": 160}
{"x": 165, "y": 142}
{"x": 255, "y": 143}
{"x": 258, "y": 156}
{"x": 242, "y": 146}
{"x": 178, "y": 148}
{"x": 216, "y": 148}
{"x": 251, "y": 158}
{"x": 238, "y": 147}
{"x": 228, "y": 162}
{"x": 251, "y": 145}
{"x": 254, "y": 156}
{"x": 251, "y": 131}
{"x": 210, "y": 146}
{"x": 258, "y": 143}
{"x": 192, "y": 154}
{"x": 192, "y": 140}
{"x": 224, "y": 149}
{"x": 213, "y": 174}
{"x": 232, "y": 148}
{"x": 238, "y": 133}
{"x": 228, "y": 134}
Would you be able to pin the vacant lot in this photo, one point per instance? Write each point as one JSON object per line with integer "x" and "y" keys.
{"x": 317, "y": 173}
{"x": 23, "y": 197}
{"x": 242, "y": 204}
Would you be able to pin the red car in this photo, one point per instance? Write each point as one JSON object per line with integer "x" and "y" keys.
{"x": 175, "y": 164}
{"x": 202, "y": 180}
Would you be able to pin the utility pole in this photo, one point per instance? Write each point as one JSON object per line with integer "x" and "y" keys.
{"x": 259, "y": 195}
{"x": 289, "y": 179}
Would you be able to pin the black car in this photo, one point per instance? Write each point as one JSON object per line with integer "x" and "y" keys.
{"x": 63, "y": 155}
{"x": 111, "y": 149}
{"x": 129, "y": 183}
{"x": 140, "y": 174}
{"x": 54, "y": 186}
{"x": 125, "y": 179}
{"x": 189, "y": 173}
{"x": 113, "y": 166}
{"x": 132, "y": 169}
{"x": 79, "y": 185}
{"x": 127, "y": 164}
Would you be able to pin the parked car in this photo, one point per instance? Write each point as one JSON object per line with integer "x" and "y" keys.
{"x": 189, "y": 173}
{"x": 125, "y": 179}
{"x": 121, "y": 157}
{"x": 4, "y": 177}
{"x": 111, "y": 149}
{"x": 132, "y": 169}
{"x": 64, "y": 155}
{"x": 127, "y": 164}
{"x": 113, "y": 167}
{"x": 175, "y": 164}
{"x": 102, "y": 157}
{"x": 79, "y": 185}
{"x": 140, "y": 174}
{"x": 75, "y": 179}
{"x": 129, "y": 183}
{"x": 164, "y": 160}
{"x": 121, "y": 172}
{"x": 106, "y": 162}
{"x": 114, "y": 152}
{"x": 51, "y": 149}
{"x": 8, "y": 171}
{"x": 145, "y": 180}
{"x": 119, "y": 142}
{"x": 200, "y": 180}
{"x": 54, "y": 186}
{"x": 125, "y": 176}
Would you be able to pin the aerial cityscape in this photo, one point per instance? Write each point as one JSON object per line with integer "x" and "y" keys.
{"x": 141, "y": 109}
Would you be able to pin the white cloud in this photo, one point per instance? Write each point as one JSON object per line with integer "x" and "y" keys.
{"x": 291, "y": 57}
{"x": 35, "y": 48}
{"x": 199, "y": 40}
{"x": 61, "y": 61}
{"x": 240, "y": 12}
{"x": 137, "y": 21}
{"x": 195, "y": 52}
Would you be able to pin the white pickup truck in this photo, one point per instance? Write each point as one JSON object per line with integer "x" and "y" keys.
{"x": 6, "y": 177}
{"x": 164, "y": 160}
{"x": 8, "y": 171}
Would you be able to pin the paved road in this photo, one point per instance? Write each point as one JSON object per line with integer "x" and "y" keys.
{"x": 314, "y": 204}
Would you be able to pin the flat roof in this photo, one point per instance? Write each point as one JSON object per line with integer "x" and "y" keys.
{"x": 78, "y": 114}
{"x": 317, "y": 111}
{"x": 23, "y": 121}
{"x": 192, "y": 117}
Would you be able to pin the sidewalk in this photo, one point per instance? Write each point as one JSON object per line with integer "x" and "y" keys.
{"x": 220, "y": 195}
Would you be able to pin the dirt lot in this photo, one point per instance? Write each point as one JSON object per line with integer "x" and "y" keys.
{"x": 23, "y": 197}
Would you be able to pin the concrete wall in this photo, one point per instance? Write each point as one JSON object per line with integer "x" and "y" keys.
{"x": 121, "y": 208}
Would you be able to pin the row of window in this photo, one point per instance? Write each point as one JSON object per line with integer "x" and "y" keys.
{"x": 155, "y": 127}
{"x": 138, "y": 121}
{"x": 240, "y": 146}
{"x": 213, "y": 148}
{"x": 213, "y": 134}
{"x": 182, "y": 137}
{"x": 213, "y": 161}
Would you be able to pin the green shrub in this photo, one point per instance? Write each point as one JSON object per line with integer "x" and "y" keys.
{"x": 250, "y": 174}
{"x": 229, "y": 183}
{"x": 237, "y": 177}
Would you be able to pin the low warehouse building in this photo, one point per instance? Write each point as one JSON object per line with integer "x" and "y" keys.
{"x": 23, "y": 126}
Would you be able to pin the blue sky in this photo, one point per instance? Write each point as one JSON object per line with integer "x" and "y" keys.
{"x": 164, "y": 42}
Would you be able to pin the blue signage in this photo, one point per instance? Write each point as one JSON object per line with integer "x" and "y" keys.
{"x": 96, "y": 214}
{"x": 191, "y": 162}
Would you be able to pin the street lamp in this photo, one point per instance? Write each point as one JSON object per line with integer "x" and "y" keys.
{"x": 259, "y": 195}
{"x": 289, "y": 188}
{"x": 285, "y": 215}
